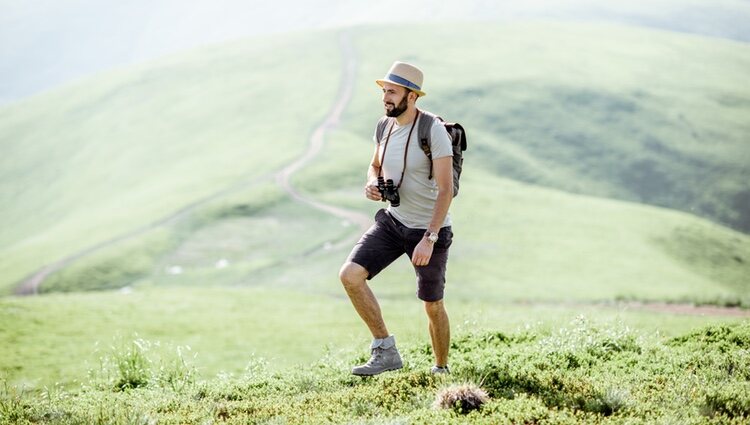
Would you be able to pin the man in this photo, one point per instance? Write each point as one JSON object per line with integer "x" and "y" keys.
{"x": 418, "y": 226}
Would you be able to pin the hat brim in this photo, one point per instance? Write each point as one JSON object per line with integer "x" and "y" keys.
{"x": 420, "y": 93}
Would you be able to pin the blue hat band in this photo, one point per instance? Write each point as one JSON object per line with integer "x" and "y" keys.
{"x": 403, "y": 81}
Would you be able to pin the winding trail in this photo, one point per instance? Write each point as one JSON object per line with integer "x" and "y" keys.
{"x": 317, "y": 140}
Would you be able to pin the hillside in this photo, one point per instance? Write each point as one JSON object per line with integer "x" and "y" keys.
{"x": 95, "y": 160}
{"x": 639, "y": 115}
{"x": 584, "y": 108}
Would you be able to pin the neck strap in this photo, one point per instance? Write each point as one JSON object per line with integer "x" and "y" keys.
{"x": 406, "y": 149}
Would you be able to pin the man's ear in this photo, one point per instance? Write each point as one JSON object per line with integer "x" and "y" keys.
{"x": 413, "y": 96}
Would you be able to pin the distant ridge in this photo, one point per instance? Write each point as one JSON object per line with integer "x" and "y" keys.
{"x": 153, "y": 29}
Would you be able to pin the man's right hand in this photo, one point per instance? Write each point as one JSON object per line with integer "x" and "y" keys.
{"x": 372, "y": 192}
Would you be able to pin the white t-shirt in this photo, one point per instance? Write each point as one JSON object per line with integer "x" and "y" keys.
{"x": 418, "y": 193}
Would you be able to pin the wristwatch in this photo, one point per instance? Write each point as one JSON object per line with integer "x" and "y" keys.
{"x": 431, "y": 236}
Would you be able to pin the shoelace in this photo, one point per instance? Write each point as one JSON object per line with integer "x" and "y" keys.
{"x": 377, "y": 353}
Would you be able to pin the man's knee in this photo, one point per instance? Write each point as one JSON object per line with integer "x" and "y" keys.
{"x": 434, "y": 307}
{"x": 352, "y": 274}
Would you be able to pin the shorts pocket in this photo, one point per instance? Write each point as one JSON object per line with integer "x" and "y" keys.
{"x": 381, "y": 215}
{"x": 445, "y": 237}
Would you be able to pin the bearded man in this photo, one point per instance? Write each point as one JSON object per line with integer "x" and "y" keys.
{"x": 416, "y": 222}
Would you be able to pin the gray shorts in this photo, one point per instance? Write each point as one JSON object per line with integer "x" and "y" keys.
{"x": 388, "y": 239}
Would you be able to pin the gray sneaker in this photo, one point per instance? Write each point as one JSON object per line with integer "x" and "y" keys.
{"x": 384, "y": 357}
{"x": 437, "y": 370}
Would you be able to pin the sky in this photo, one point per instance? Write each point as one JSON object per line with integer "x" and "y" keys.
{"x": 47, "y": 43}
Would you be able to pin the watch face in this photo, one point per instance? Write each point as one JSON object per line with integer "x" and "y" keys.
{"x": 433, "y": 237}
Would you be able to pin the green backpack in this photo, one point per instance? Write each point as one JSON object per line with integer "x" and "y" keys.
{"x": 455, "y": 131}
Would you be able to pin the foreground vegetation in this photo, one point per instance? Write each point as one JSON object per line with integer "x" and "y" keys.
{"x": 584, "y": 372}
{"x": 53, "y": 340}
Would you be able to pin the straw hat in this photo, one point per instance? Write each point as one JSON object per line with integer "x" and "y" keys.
{"x": 404, "y": 75}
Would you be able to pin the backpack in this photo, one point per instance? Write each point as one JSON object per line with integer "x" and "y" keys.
{"x": 456, "y": 133}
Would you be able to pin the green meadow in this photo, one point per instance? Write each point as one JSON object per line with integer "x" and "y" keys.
{"x": 607, "y": 164}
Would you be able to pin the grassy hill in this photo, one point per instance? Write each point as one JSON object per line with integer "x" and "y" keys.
{"x": 103, "y": 157}
{"x": 640, "y": 115}
{"x": 590, "y": 109}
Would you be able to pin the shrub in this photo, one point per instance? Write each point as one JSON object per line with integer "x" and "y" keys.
{"x": 731, "y": 399}
{"x": 738, "y": 336}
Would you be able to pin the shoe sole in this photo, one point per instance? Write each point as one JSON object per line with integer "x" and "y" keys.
{"x": 374, "y": 374}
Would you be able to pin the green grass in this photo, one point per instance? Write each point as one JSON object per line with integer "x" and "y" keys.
{"x": 581, "y": 372}
{"x": 58, "y": 338}
{"x": 553, "y": 245}
{"x": 238, "y": 229}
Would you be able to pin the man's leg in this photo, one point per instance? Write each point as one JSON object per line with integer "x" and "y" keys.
{"x": 385, "y": 355}
{"x": 440, "y": 331}
{"x": 354, "y": 278}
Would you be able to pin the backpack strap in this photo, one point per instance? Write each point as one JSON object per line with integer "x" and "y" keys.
{"x": 423, "y": 132}
{"x": 426, "y": 119}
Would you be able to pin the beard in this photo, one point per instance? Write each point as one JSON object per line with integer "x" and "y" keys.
{"x": 397, "y": 110}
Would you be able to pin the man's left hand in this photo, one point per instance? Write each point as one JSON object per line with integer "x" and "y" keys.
{"x": 422, "y": 253}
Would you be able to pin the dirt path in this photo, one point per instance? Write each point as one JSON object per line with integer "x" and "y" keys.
{"x": 317, "y": 140}
{"x": 647, "y": 306}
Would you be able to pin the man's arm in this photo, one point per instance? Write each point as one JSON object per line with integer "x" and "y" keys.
{"x": 443, "y": 172}
{"x": 371, "y": 189}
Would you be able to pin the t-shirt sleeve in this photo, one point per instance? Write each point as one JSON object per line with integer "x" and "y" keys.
{"x": 440, "y": 141}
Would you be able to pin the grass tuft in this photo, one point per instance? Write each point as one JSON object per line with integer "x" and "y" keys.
{"x": 140, "y": 363}
{"x": 13, "y": 404}
{"x": 132, "y": 365}
{"x": 462, "y": 398}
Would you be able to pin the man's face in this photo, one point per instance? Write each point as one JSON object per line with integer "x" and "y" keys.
{"x": 395, "y": 99}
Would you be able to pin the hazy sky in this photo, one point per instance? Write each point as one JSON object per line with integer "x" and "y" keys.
{"x": 45, "y": 43}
